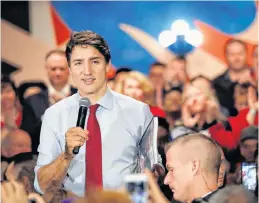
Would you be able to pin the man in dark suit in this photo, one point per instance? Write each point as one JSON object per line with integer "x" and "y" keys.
{"x": 57, "y": 89}
{"x": 193, "y": 163}
{"x": 237, "y": 72}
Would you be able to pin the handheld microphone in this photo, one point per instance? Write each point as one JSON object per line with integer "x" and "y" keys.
{"x": 84, "y": 103}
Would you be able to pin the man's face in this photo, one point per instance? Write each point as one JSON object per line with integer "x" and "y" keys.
{"x": 179, "y": 174}
{"x": 88, "y": 69}
{"x": 236, "y": 56}
{"x": 57, "y": 69}
{"x": 173, "y": 101}
{"x": 247, "y": 149}
{"x": 195, "y": 100}
{"x": 132, "y": 89}
{"x": 175, "y": 71}
{"x": 20, "y": 143}
{"x": 156, "y": 75}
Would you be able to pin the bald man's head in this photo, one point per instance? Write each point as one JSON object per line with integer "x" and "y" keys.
{"x": 16, "y": 141}
{"x": 193, "y": 162}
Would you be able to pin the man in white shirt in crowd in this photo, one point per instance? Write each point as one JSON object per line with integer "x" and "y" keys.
{"x": 114, "y": 126}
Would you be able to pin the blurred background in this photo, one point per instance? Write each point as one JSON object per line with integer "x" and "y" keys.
{"x": 133, "y": 30}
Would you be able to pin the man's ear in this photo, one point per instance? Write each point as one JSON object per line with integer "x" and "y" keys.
{"x": 108, "y": 66}
{"x": 195, "y": 167}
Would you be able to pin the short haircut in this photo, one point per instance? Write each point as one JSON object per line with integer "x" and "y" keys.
{"x": 54, "y": 51}
{"x": 233, "y": 194}
{"x": 88, "y": 38}
{"x": 27, "y": 170}
{"x": 123, "y": 70}
{"x": 212, "y": 157}
{"x": 233, "y": 40}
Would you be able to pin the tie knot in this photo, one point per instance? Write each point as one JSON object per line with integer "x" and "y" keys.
{"x": 93, "y": 108}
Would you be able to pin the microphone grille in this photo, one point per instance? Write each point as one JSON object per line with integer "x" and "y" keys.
{"x": 84, "y": 102}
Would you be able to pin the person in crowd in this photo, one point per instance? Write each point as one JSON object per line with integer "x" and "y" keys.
{"x": 205, "y": 85}
{"x": 223, "y": 170}
{"x": 175, "y": 74}
{"x": 241, "y": 96}
{"x": 111, "y": 116}
{"x": 121, "y": 74}
{"x": 172, "y": 106}
{"x": 11, "y": 111}
{"x": 245, "y": 118}
{"x": 233, "y": 194}
{"x": 156, "y": 76}
{"x": 57, "y": 89}
{"x": 237, "y": 72}
{"x": 139, "y": 87}
{"x": 27, "y": 89}
{"x": 111, "y": 83}
{"x": 200, "y": 110}
{"x": 193, "y": 174}
{"x": 17, "y": 141}
{"x": 244, "y": 152}
{"x": 14, "y": 191}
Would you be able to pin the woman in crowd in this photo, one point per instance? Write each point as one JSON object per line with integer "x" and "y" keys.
{"x": 138, "y": 86}
{"x": 200, "y": 109}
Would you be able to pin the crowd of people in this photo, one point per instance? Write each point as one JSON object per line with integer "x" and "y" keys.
{"x": 209, "y": 125}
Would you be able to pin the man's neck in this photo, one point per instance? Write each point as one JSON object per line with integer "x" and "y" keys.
{"x": 201, "y": 191}
{"x": 96, "y": 96}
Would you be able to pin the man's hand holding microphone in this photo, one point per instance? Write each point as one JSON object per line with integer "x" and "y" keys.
{"x": 75, "y": 137}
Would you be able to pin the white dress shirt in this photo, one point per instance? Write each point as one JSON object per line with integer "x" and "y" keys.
{"x": 122, "y": 121}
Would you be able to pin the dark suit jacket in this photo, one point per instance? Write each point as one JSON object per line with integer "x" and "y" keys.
{"x": 33, "y": 109}
{"x": 206, "y": 198}
{"x": 200, "y": 200}
{"x": 224, "y": 89}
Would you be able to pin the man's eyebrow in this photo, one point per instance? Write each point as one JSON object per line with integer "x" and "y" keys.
{"x": 77, "y": 60}
{"x": 94, "y": 57}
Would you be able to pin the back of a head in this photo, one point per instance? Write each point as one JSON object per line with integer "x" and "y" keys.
{"x": 105, "y": 197}
{"x": 200, "y": 147}
{"x": 15, "y": 142}
{"x": 233, "y": 194}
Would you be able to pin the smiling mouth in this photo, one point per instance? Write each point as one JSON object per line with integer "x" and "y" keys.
{"x": 88, "y": 81}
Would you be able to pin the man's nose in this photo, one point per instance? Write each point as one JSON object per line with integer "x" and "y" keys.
{"x": 88, "y": 69}
{"x": 166, "y": 182}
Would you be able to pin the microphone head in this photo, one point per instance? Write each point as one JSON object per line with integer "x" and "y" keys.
{"x": 84, "y": 102}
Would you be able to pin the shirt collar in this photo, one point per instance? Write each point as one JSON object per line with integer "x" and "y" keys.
{"x": 106, "y": 101}
{"x": 64, "y": 92}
